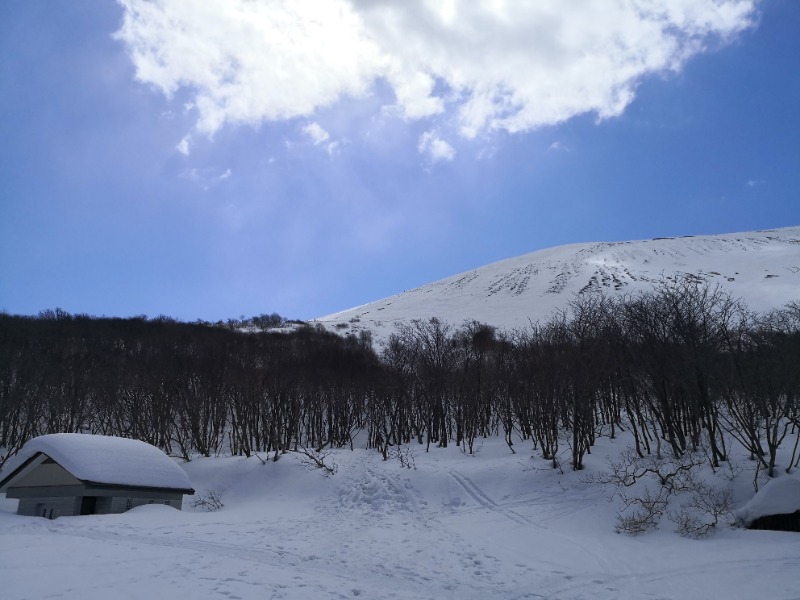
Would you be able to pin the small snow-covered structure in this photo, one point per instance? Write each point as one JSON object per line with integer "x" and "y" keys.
{"x": 65, "y": 474}
{"x": 776, "y": 506}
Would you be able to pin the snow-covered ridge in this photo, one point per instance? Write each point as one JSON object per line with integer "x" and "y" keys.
{"x": 760, "y": 267}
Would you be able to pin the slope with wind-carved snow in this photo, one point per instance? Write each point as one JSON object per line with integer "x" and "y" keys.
{"x": 762, "y": 268}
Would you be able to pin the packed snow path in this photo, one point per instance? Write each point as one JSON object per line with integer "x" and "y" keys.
{"x": 495, "y": 525}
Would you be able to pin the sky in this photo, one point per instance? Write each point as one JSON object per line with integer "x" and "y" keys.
{"x": 239, "y": 157}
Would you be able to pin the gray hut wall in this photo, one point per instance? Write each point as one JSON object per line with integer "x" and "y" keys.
{"x": 50, "y": 507}
{"x": 52, "y": 502}
{"x": 119, "y": 504}
{"x": 48, "y": 490}
{"x": 47, "y": 474}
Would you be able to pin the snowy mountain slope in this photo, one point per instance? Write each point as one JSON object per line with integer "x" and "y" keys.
{"x": 760, "y": 267}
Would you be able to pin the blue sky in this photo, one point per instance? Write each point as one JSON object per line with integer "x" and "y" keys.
{"x": 248, "y": 159}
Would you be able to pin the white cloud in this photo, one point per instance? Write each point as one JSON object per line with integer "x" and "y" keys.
{"x": 435, "y": 148}
{"x": 484, "y": 66}
{"x": 316, "y": 133}
{"x": 183, "y": 145}
{"x": 206, "y": 178}
{"x": 319, "y": 136}
{"x": 486, "y": 153}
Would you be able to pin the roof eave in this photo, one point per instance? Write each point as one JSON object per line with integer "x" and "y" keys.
{"x": 148, "y": 488}
{"x": 6, "y": 480}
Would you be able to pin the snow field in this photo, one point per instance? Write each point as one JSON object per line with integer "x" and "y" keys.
{"x": 492, "y": 525}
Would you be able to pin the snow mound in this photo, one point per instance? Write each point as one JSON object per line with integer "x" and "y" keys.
{"x": 779, "y": 497}
{"x": 377, "y": 493}
{"x": 109, "y": 460}
{"x": 148, "y": 510}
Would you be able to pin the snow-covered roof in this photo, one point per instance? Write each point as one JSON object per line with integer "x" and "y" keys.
{"x": 779, "y": 496}
{"x": 108, "y": 460}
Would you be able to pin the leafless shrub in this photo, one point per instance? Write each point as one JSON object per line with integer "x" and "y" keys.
{"x": 211, "y": 501}
{"x": 643, "y": 512}
{"x": 706, "y": 507}
{"x": 405, "y": 455}
{"x": 645, "y": 486}
{"x": 315, "y": 459}
{"x": 731, "y": 471}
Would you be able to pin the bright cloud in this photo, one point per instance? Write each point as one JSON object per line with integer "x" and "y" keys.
{"x": 316, "y": 133}
{"x": 206, "y": 178}
{"x": 435, "y": 148}
{"x": 333, "y": 148}
{"x": 183, "y": 145}
{"x": 481, "y": 66}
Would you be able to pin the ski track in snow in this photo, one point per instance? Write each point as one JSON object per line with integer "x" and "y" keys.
{"x": 474, "y": 492}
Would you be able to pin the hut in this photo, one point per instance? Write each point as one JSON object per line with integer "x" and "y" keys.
{"x": 66, "y": 474}
{"x": 776, "y": 506}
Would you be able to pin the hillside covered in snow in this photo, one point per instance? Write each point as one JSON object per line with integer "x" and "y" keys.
{"x": 762, "y": 268}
